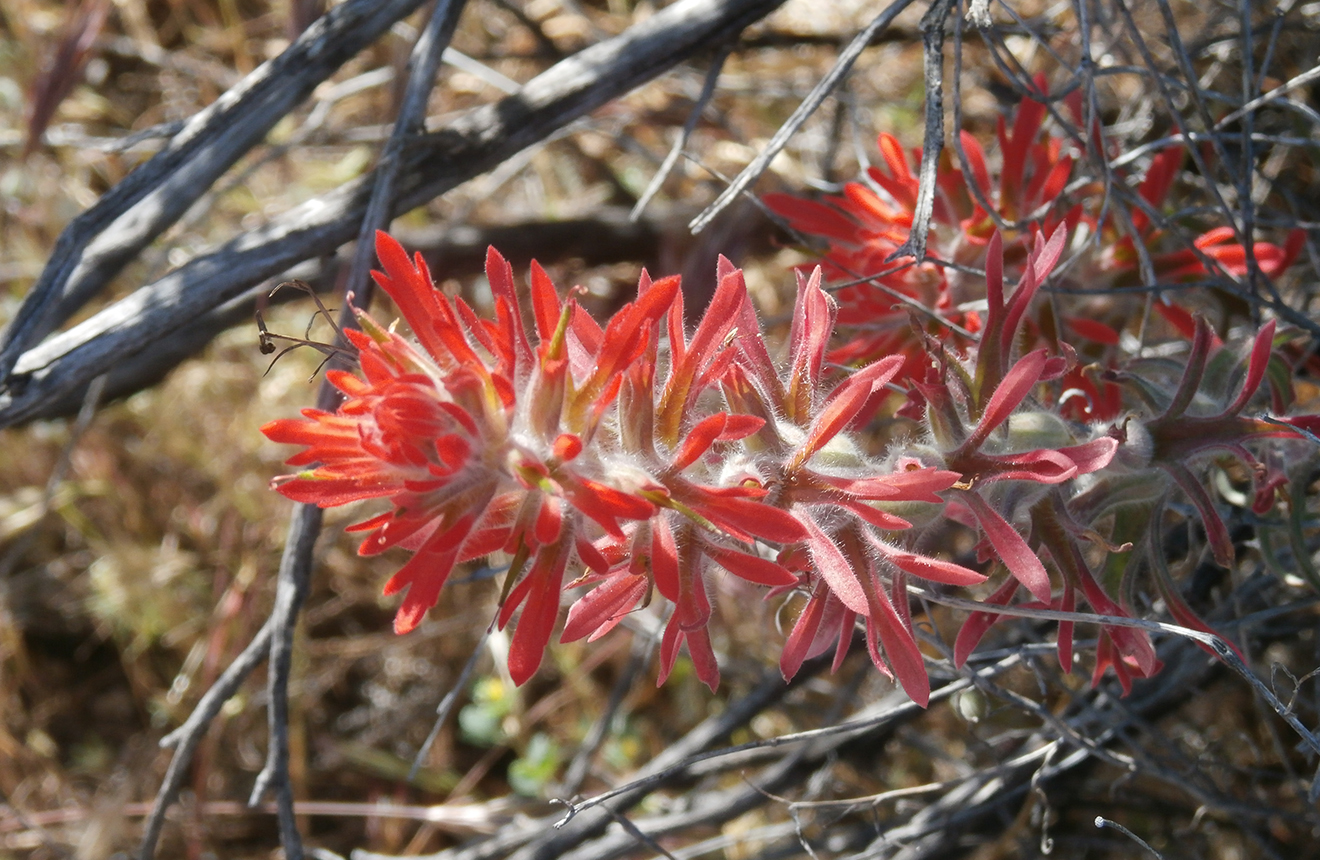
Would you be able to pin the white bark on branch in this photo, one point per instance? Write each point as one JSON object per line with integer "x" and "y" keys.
{"x": 46, "y": 375}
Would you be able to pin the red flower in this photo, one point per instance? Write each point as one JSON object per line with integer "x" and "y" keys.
{"x": 481, "y": 440}
{"x": 632, "y": 458}
{"x": 812, "y": 467}
{"x": 571, "y": 450}
{"x": 1120, "y": 261}
{"x": 864, "y": 229}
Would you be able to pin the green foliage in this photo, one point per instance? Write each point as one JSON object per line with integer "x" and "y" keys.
{"x": 482, "y": 721}
{"x": 532, "y": 772}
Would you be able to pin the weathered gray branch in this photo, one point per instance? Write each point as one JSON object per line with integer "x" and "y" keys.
{"x": 453, "y": 251}
{"x": 101, "y": 241}
{"x": 63, "y": 365}
{"x": 296, "y": 566}
{"x": 823, "y": 88}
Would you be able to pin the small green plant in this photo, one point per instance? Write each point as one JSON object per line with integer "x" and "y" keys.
{"x": 482, "y": 722}
{"x": 531, "y": 772}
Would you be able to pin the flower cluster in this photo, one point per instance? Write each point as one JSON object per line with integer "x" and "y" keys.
{"x": 634, "y": 454}
{"x": 869, "y": 221}
{"x": 975, "y": 357}
{"x": 637, "y": 457}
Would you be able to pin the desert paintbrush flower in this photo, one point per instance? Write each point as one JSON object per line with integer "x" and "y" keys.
{"x": 590, "y": 448}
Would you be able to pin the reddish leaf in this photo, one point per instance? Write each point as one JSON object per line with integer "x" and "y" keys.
{"x": 834, "y": 568}
{"x": 976, "y": 161}
{"x": 811, "y": 217}
{"x": 900, "y": 647}
{"x": 545, "y": 303}
{"x": 844, "y": 404}
{"x": 752, "y": 568}
{"x": 590, "y": 556}
{"x": 910, "y": 485}
{"x": 664, "y": 559}
{"x": 1221, "y": 543}
{"x": 1042, "y": 466}
{"x": 549, "y": 521}
{"x": 1193, "y": 371}
{"x": 932, "y": 569}
{"x": 1012, "y": 549}
{"x": 1093, "y": 330}
{"x": 1260, "y": 359}
{"x": 1014, "y": 388}
{"x": 598, "y": 611}
{"x": 1155, "y": 186}
{"x": 537, "y": 621}
{"x": 1092, "y": 456}
{"x": 425, "y": 574}
{"x": 743, "y": 518}
{"x": 873, "y": 515}
{"x": 605, "y": 504}
{"x": 801, "y": 639}
{"x": 500, "y": 275}
{"x": 813, "y": 319}
{"x": 703, "y": 658}
{"x": 699, "y": 439}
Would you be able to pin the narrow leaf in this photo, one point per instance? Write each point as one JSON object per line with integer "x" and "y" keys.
{"x": 1012, "y": 549}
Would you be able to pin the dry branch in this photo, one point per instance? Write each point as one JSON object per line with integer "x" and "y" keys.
{"x": 296, "y": 567}
{"x": 933, "y": 829}
{"x": 58, "y": 368}
{"x": 105, "y": 238}
{"x": 1096, "y": 727}
{"x": 453, "y": 251}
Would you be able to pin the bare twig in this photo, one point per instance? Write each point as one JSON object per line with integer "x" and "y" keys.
{"x": 541, "y": 833}
{"x": 681, "y": 139}
{"x": 186, "y": 738}
{"x": 1260, "y": 101}
{"x": 932, "y": 37}
{"x": 884, "y": 712}
{"x": 578, "y": 768}
{"x": 478, "y": 141}
{"x": 291, "y": 591}
{"x": 818, "y": 95}
{"x": 295, "y": 570}
{"x": 1101, "y": 823}
{"x": 102, "y": 240}
{"x": 446, "y": 706}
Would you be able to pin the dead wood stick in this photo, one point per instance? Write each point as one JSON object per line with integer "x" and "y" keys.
{"x": 476, "y": 142}
{"x": 101, "y": 241}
